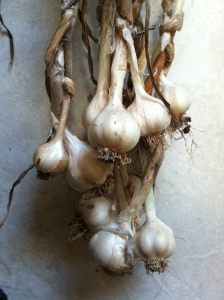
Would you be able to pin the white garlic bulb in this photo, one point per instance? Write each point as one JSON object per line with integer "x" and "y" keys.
{"x": 111, "y": 249}
{"x": 98, "y": 211}
{"x": 114, "y": 128}
{"x": 51, "y": 157}
{"x": 84, "y": 170}
{"x": 149, "y": 112}
{"x": 177, "y": 97}
{"x": 155, "y": 241}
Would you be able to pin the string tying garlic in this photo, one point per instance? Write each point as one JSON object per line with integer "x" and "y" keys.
{"x": 149, "y": 112}
{"x": 177, "y": 97}
{"x": 154, "y": 242}
{"x": 84, "y": 170}
{"x": 114, "y": 128}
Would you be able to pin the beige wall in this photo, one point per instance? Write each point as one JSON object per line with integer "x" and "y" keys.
{"x": 36, "y": 261}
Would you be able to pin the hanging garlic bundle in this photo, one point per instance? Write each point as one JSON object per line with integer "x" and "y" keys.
{"x": 51, "y": 157}
{"x": 149, "y": 112}
{"x": 114, "y": 128}
{"x": 84, "y": 170}
{"x": 100, "y": 99}
{"x": 177, "y": 97}
{"x": 98, "y": 212}
{"x": 154, "y": 242}
{"x": 112, "y": 248}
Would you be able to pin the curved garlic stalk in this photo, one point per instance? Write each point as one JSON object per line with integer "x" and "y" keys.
{"x": 51, "y": 157}
{"x": 84, "y": 170}
{"x": 154, "y": 242}
{"x": 177, "y": 97}
{"x": 149, "y": 112}
{"x": 111, "y": 248}
{"x": 114, "y": 128}
{"x": 98, "y": 212}
{"x": 100, "y": 99}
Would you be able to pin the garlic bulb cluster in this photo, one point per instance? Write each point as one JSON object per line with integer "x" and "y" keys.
{"x": 98, "y": 212}
{"x": 149, "y": 112}
{"x": 84, "y": 170}
{"x": 112, "y": 249}
{"x": 177, "y": 97}
{"x": 114, "y": 128}
{"x": 155, "y": 241}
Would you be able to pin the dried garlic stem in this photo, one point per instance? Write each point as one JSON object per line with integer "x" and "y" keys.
{"x": 148, "y": 181}
{"x": 62, "y": 28}
{"x": 156, "y": 70}
{"x": 119, "y": 187}
{"x": 167, "y": 36}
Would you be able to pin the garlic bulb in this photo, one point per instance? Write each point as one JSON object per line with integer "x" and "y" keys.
{"x": 84, "y": 170}
{"x": 100, "y": 99}
{"x": 114, "y": 128}
{"x": 98, "y": 211}
{"x": 149, "y": 112}
{"x": 177, "y": 97}
{"x": 155, "y": 241}
{"x": 51, "y": 157}
{"x": 112, "y": 249}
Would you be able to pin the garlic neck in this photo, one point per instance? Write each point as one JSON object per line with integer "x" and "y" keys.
{"x": 104, "y": 49}
{"x": 150, "y": 209}
{"x": 139, "y": 90}
{"x": 118, "y": 71}
{"x": 63, "y": 118}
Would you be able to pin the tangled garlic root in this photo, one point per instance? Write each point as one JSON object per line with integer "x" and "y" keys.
{"x": 152, "y": 265}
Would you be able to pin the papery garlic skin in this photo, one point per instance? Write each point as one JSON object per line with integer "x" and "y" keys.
{"x": 110, "y": 250}
{"x": 114, "y": 128}
{"x": 51, "y": 157}
{"x": 149, "y": 112}
{"x": 98, "y": 212}
{"x": 84, "y": 170}
{"x": 155, "y": 240}
{"x": 167, "y": 139}
{"x": 177, "y": 97}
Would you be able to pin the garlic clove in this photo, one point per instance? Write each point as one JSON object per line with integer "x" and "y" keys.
{"x": 51, "y": 157}
{"x": 177, "y": 97}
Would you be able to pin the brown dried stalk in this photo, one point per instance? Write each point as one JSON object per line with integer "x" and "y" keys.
{"x": 149, "y": 179}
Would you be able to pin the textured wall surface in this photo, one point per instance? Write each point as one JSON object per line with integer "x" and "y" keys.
{"x": 36, "y": 260}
